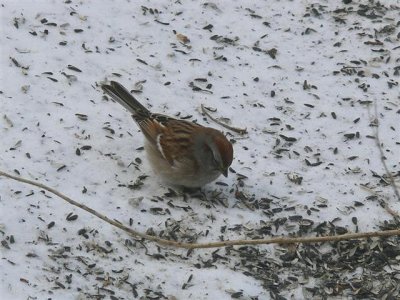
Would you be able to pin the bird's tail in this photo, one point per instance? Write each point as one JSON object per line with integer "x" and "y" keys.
{"x": 126, "y": 99}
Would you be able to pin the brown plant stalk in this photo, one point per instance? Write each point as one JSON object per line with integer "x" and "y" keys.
{"x": 164, "y": 242}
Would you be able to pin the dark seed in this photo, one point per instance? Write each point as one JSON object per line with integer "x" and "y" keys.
{"x": 71, "y": 217}
{"x": 208, "y": 27}
{"x": 4, "y": 243}
{"x": 51, "y": 224}
{"x": 142, "y": 61}
{"x": 82, "y": 117}
{"x": 73, "y": 68}
{"x": 52, "y": 79}
{"x": 349, "y": 135}
{"x": 288, "y": 138}
{"x": 61, "y": 168}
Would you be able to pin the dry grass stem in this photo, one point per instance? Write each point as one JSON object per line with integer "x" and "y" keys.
{"x": 234, "y": 129}
{"x": 164, "y": 242}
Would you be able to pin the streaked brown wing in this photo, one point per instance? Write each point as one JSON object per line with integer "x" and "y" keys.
{"x": 171, "y": 137}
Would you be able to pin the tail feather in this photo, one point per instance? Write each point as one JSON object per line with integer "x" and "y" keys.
{"x": 126, "y": 99}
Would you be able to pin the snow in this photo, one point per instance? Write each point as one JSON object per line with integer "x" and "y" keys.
{"x": 294, "y": 95}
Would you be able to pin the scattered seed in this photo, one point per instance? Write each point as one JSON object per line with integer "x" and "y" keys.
{"x": 51, "y": 225}
{"x": 73, "y": 68}
{"x": 142, "y": 61}
{"x": 71, "y": 217}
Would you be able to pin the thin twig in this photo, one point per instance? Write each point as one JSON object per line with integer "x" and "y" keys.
{"x": 163, "y": 242}
{"x": 234, "y": 129}
{"x": 383, "y": 203}
{"x": 378, "y": 143}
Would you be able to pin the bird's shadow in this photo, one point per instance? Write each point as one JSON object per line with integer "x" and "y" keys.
{"x": 210, "y": 198}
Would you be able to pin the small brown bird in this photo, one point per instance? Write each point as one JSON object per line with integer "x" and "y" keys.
{"x": 182, "y": 153}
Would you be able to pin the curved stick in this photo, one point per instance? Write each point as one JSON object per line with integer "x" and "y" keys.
{"x": 164, "y": 242}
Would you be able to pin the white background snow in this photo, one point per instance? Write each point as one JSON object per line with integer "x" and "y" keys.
{"x": 297, "y": 106}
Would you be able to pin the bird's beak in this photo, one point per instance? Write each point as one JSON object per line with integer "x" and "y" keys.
{"x": 225, "y": 172}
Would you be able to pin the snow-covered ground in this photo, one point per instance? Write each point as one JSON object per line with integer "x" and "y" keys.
{"x": 301, "y": 76}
